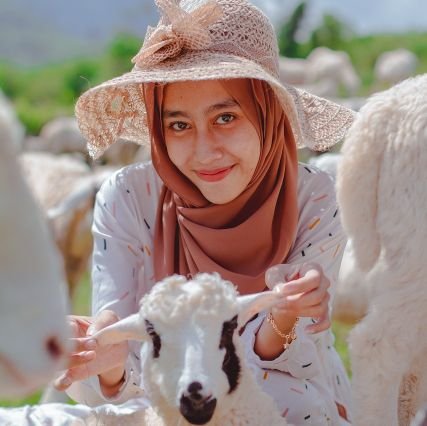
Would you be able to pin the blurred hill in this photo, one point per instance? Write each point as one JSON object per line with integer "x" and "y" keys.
{"x": 36, "y": 32}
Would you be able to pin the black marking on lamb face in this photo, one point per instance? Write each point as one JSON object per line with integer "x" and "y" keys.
{"x": 231, "y": 363}
{"x": 157, "y": 343}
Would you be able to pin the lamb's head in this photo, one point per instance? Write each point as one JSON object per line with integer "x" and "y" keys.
{"x": 33, "y": 303}
{"x": 192, "y": 360}
{"x": 381, "y": 178}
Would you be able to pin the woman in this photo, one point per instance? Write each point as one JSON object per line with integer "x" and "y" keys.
{"x": 224, "y": 193}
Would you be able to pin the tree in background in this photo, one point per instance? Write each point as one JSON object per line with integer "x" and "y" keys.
{"x": 288, "y": 45}
{"x": 330, "y": 33}
{"x": 121, "y": 51}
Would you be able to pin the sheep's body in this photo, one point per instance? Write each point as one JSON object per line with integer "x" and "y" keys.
{"x": 382, "y": 194}
{"x": 323, "y": 72}
{"x": 62, "y": 135}
{"x": 394, "y": 66}
{"x": 65, "y": 189}
{"x": 196, "y": 344}
{"x": 33, "y": 335}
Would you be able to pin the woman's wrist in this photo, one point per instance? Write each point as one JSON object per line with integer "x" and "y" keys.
{"x": 269, "y": 344}
{"x": 111, "y": 381}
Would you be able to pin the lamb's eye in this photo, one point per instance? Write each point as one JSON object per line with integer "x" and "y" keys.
{"x": 157, "y": 343}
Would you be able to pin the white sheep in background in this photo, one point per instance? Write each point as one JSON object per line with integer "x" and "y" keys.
{"x": 322, "y": 73}
{"x": 335, "y": 66}
{"x": 394, "y": 66}
{"x": 381, "y": 188}
{"x": 65, "y": 189}
{"x": 33, "y": 331}
{"x": 194, "y": 370}
{"x": 62, "y": 135}
{"x": 292, "y": 70}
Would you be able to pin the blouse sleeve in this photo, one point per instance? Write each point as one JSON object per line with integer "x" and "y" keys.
{"x": 319, "y": 239}
{"x": 117, "y": 259}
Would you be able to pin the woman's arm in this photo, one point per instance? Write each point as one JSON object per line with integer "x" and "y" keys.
{"x": 117, "y": 259}
{"x": 320, "y": 240}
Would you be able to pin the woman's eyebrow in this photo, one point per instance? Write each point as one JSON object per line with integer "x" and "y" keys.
{"x": 221, "y": 105}
{"x": 218, "y": 106}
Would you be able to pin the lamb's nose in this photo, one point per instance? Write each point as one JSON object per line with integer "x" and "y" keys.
{"x": 54, "y": 347}
{"x": 193, "y": 389}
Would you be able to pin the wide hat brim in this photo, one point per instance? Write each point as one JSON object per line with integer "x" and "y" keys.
{"x": 116, "y": 109}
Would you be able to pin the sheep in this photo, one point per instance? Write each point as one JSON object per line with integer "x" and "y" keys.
{"x": 322, "y": 73}
{"x": 382, "y": 196}
{"x": 34, "y": 334}
{"x": 393, "y": 66}
{"x": 194, "y": 370}
{"x": 65, "y": 190}
{"x": 330, "y": 65}
{"x": 62, "y": 135}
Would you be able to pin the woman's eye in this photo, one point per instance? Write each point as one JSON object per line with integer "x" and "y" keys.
{"x": 225, "y": 118}
{"x": 179, "y": 126}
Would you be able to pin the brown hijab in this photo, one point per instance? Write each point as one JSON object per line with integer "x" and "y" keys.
{"x": 240, "y": 239}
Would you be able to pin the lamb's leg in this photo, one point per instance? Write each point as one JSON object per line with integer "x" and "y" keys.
{"x": 377, "y": 371}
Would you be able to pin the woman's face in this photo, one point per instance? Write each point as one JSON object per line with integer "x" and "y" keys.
{"x": 209, "y": 139}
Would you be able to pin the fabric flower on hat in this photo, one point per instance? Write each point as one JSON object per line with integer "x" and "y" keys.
{"x": 177, "y": 30}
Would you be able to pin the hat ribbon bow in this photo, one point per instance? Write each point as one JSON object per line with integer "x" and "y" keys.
{"x": 177, "y": 30}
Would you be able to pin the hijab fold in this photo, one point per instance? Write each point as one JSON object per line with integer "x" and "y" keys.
{"x": 244, "y": 237}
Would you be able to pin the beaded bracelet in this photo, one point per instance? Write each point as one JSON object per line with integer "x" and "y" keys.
{"x": 288, "y": 337}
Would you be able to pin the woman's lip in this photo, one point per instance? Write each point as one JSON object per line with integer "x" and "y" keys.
{"x": 214, "y": 175}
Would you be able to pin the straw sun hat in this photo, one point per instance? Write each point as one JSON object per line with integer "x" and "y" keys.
{"x": 203, "y": 40}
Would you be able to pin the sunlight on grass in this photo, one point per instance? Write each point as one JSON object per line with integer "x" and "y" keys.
{"x": 341, "y": 331}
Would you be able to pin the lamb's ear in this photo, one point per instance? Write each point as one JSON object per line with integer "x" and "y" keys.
{"x": 129, "y": 328}
{"x": 251, "y": 304}
{"x": 357, "y": 186}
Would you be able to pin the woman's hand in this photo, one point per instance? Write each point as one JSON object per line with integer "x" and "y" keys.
{"x": 305, "y": 288}
{"x": 307, "y": 295}
{"x": 89, "y": 359}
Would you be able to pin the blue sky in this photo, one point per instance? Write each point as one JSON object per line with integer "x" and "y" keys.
{"x": 364, "y": 16}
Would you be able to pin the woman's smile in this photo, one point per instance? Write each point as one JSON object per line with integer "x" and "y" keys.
{"x": 214, "y": 175}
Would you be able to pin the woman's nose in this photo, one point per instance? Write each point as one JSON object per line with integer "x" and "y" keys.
{"x": 207, "y": 149}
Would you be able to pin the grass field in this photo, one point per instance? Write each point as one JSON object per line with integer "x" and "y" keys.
{"x": 81, "y": 306}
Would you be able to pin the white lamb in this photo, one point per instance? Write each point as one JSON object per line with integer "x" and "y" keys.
{"x": 33, "y": 332}
{"x": 194, "y": 369}
{"x": 381, "y": 185}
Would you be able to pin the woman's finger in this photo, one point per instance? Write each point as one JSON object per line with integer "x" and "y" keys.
{"x": 322, "y": 324}
{"x": 295, "y": 308}
{"x": 80, "y": 358}
{"x": 79, "y": 324}
{"x": 309, "y": 282}
{"x": 83, "y": 344}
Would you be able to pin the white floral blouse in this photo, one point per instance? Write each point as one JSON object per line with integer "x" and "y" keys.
{"x": 308, "y": 380}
